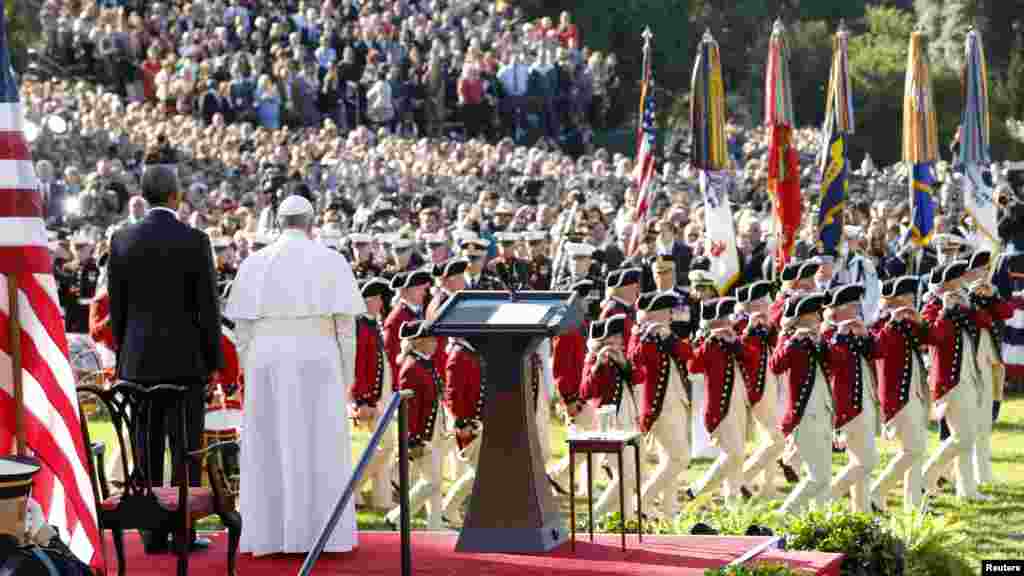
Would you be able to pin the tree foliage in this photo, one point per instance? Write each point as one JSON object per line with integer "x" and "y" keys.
{"x": 23, "y": 30}
{"x": 880, "y": 30}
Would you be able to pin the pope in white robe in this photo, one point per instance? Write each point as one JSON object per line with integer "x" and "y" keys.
{"x": 294, "y": 305}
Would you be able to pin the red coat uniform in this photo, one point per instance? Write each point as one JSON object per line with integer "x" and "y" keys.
{"x": 757, "y": 348}
{"x": 604, "y": 383}
{"x": 99, "y": 320}
{"x": 612, "y": 307}
{"x": 441, "y": 356}
{"x": 845, "y": 373}
{"x": 714, "y": 359}
{"x": 369, "y": 382}
{"x": 465, "y": 384}
{"x": 777, "y": 309}
{"x": 567, "y": 354}
{"x": 417, "y": 374}
{"x": 945, "y": 339}
{"x": 400, "y": 314}
{"x": 230, "y": 375}
{"x": 896, "y": 345}
{"x": 991, "y": 313}
{"x": 653, "y": 359}
{"x": 797, "y": 359}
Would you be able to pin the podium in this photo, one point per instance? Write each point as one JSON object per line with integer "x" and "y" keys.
{"x": 511, "y": 509}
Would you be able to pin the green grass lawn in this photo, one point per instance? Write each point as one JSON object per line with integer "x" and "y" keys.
{"x": 994, "y": 529}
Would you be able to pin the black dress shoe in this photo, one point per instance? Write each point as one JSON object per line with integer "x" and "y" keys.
{"x": 154, "y": 543}
{"x": 791, "y": 476}
{"x": 198, "y": 543}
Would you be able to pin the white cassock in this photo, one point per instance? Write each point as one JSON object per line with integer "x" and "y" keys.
{"x": 294, "y": 305}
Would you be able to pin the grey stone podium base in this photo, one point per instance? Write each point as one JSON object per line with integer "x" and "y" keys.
{"x": 513, "y": 540}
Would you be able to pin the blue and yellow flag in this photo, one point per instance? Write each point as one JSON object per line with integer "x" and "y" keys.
{"x": 834, "y": 184}
{"x": 834, "y": 163}
{"x": 922, "y": 202}
{"x": 920, "y": 140}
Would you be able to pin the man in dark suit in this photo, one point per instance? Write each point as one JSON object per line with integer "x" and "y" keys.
{"x": 165, "y": 316}
{"x": 209, "y": 103}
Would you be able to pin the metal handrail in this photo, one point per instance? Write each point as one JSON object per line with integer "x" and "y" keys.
{"x": 396, "y": 404}
{"x": 774, "y": 542}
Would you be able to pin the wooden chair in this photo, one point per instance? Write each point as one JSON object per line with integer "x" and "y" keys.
{"x": 138, "y": 504}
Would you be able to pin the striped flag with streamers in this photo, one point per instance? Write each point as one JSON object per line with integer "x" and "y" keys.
{"x": 52, "y": 427}
{"x": 920, "y": 140}
{"x": 647, "y": 136}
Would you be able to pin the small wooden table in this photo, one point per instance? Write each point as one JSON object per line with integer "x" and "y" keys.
{"x": 591, "y": 443}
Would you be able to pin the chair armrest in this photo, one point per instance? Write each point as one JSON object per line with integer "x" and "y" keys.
{"x": 214, "y": 447}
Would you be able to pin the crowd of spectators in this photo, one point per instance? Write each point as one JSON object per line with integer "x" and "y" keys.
{"x": 408, "y": 120}
{"x": 426, "y": 68}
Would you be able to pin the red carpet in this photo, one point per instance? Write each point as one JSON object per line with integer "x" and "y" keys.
{"x": 433, "y": 554}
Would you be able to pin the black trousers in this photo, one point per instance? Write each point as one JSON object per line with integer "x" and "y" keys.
{"x": 159, "y": 429}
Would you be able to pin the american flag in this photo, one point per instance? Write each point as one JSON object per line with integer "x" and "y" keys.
{"x": 53, "y": 432}
{"x": 646, "y": 144}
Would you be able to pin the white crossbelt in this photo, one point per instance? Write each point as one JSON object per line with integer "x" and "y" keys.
{"x": 295, "y": 327}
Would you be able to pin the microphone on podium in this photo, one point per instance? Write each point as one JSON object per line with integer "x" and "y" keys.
{"x": 505, "y": 276}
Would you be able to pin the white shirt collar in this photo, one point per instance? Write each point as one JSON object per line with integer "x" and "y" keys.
{"x": 164, "y": 209}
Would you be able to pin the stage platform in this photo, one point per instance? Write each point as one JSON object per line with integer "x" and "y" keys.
{"x": 434, "y": 554}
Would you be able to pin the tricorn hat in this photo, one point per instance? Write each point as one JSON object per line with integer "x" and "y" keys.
{"x": 375, "y": 287}
{"x": 900, "y": 286}
{"x": 806, "y": 304}
{"x": 717, "y": 309}
{"x": 845, "y": 294}
{"x": 654, "y": 301}
{"x": 753, "y": 292}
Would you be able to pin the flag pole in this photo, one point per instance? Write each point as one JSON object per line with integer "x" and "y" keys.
{"x": 14, "y": 337}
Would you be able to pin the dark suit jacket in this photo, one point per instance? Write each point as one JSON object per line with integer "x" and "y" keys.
{"x": 54, "y": 209}
{"x": 164, "y": 312}
{"x": 209, "y": 105}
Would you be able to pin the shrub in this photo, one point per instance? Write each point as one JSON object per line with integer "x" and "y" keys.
{"x": 754, "y": 570}
{"x": 936, "y": 545}
{"x": 869, "y": 546}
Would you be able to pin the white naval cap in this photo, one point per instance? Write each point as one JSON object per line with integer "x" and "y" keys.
{"x": 294, "y": 206}
{"x": 579, "y": 250}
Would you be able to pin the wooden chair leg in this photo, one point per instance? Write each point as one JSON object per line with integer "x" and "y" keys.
{"x": 234, "y": 524}
{"x": 182, "y": 544}
{"x": 119, "y": 549}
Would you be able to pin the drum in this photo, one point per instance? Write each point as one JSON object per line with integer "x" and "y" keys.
{"x": 223, "y": 422}
{"x": 85, "y": 358}
{"x": 87, "y": 368}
